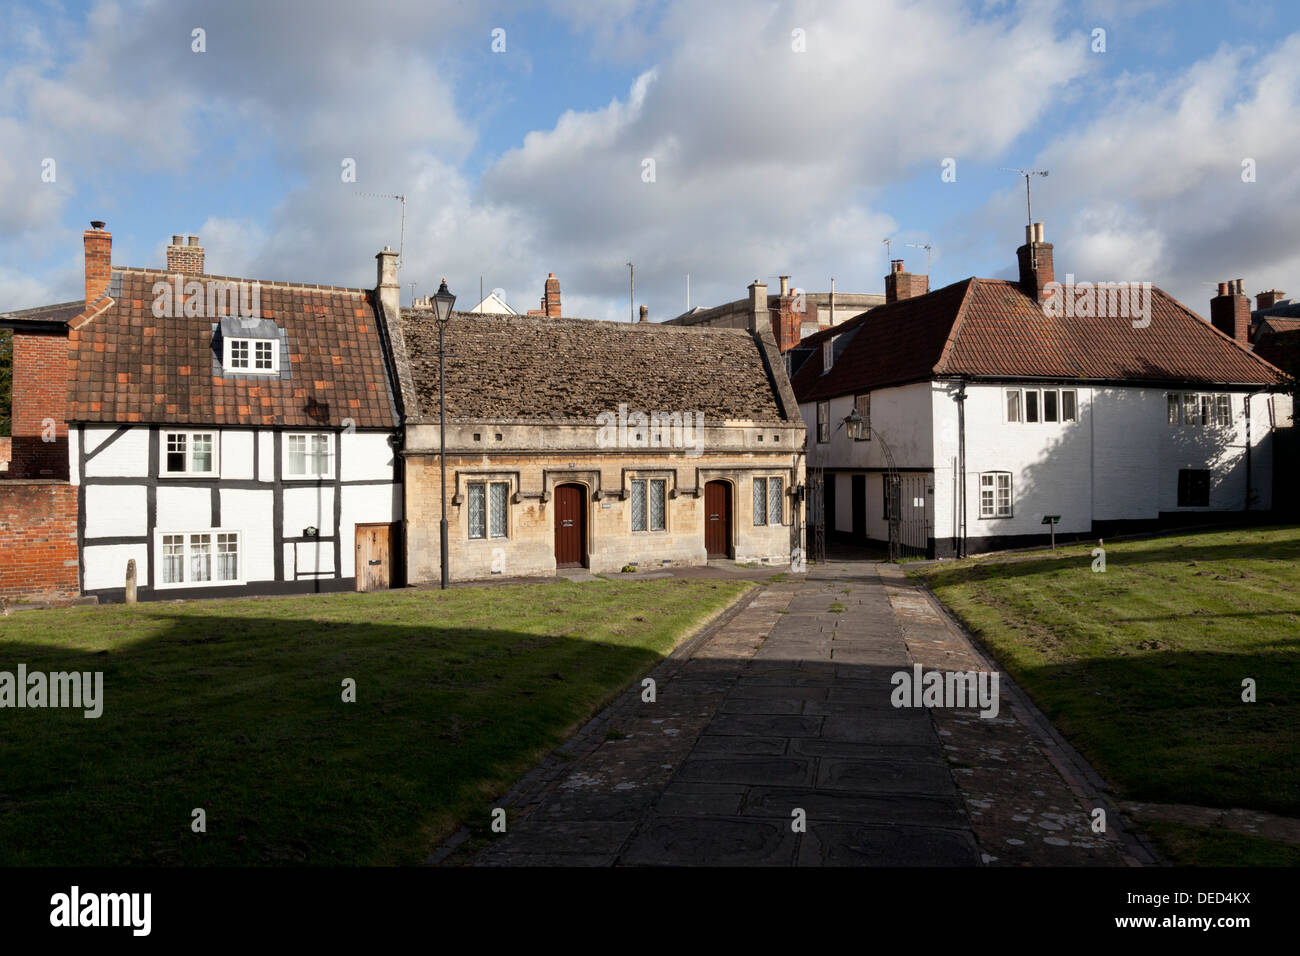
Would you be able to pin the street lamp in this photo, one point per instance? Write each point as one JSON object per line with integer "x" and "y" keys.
{"x": 853, "y": 425}
{"x": 443, "y": 300}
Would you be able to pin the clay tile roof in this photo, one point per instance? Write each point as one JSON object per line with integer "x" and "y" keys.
{"x": 1278, "y": 341}
{"x": 538, "y": 369}
{"x": 126, "y": 365}
{"x": 990, "y": 328}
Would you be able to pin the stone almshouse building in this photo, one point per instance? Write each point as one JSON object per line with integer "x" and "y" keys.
{"x": 551, "y": 464}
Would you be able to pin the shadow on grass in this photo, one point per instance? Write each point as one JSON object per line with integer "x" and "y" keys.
{"x": 243, "y": 717}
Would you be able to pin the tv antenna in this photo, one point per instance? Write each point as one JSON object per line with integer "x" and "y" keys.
{"x": 401, "y": 245}
{"x": 889, "y": 255}
{"x": 927, "y": 247}
{"x": 1027, "y": 173}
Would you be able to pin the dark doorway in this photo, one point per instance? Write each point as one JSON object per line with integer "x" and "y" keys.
{"x": 859, "y": 509}
{"x": 717, "y": 519}
{"x": 828, "y": 505}
{"x": 570, "y": 526}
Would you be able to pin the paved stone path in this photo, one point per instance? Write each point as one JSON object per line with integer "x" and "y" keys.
{"x": 772, "y": 741}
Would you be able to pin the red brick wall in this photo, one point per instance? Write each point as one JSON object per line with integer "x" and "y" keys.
{"x": 40, "y": 392}
{"x": 38, "y": 540}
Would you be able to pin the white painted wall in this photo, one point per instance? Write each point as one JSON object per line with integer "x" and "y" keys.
{"x": 106, "y": 565}
{"x": 237, "y": 455}
{"x": 116, "y": 511}
{"x": 249, "y": 512}
{"x": 308, "y": 507}
{"x": 367, "y": 456}
{"x": 128, "y": 457}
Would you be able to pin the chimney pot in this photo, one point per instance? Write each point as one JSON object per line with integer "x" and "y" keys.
{"x": 97, "y": 224}
{"x": 1223, "y": 288}
{"x": 785, "y": 285}
{"x": 194, "y": 240}
{"x": 645, "y": 313}
{"x": 176, "y": 240}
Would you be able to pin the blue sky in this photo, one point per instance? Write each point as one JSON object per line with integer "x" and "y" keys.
{"x": 768, "y": 160}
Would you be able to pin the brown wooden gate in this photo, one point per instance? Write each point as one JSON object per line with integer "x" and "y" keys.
{"x": 717, "y": 519}
{"x": 570, "y": 526}
{"x": 375, "y": 556}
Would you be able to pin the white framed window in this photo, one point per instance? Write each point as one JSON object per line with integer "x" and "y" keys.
{"x": 769, "y": 501}
{"x": 862, "y": 405}
{"x": 1042, "y": 405}
{"x": 258, "y": 356}
{"x": 649, "y": 504}
{"x": 823, "y": 422}
{"x": 828, "y": 355}
{"x": 995, "y": 494}
{"x": 188, "y": 453}
{"x": 489, "y": 509}
{"x": 1199, "y": 408}
{"x": 199, "y": 558}
{"x": 308, "y": 455}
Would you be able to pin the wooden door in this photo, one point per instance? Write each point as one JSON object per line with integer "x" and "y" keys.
{"x": 374, "y": 557}
{"x": 570, "y": 526}
{"x": 859, "y": 484}
{"x": 717, "y": 519}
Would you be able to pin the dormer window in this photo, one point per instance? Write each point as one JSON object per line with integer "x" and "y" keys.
{"x": 253, "y": 355}
{"x": 828, "y": 355}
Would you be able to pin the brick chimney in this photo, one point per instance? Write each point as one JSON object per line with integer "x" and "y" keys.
{"x": 185, "y": 256}
{"x": 903, "y": 285}
{"x": 551, "y": 300}
{"x": 787, "y": 327}
{"x": 1266, "y": 300}
{"x": 1230, "y": 311}
{"x": 1035, "y": 258}
{"x": 759, "y": 317}
{"x": 99, "y": 260}
{"x": 645, "y": 313}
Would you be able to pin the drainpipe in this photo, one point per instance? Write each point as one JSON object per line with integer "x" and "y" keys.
{"x": 1248, "y": 462}
{"x": 961, "y": 469}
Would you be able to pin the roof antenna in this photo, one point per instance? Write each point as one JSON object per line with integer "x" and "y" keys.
{"x": 1027, "y": 173}
{"x": 927, "y": 247}
{"x": 401, "y": 245}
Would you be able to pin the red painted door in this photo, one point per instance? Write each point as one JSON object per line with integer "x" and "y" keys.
{"x": 570, "y": 526}
{"x": 717, "y": 519}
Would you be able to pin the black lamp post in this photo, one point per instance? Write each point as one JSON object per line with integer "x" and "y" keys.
{"x": 443, "y": 300}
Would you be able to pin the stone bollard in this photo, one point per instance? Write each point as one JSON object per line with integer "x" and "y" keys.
{"x": 130, "y": 581}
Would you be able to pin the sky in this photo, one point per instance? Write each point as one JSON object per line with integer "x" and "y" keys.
{"x": 730, "y": 140}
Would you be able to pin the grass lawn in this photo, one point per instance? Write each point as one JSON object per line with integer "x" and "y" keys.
{"x": 1141, "y": 666}
{"x": 235, "y": 706}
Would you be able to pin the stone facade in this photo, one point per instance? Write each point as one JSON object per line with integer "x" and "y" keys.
{"x": 528, "y": 546}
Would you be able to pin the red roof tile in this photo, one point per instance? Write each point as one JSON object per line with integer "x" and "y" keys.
{"x": 126, "y": 365}
{"x": 990, "y": 328}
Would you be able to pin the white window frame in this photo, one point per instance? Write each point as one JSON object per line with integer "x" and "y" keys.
{"x": 228, "y": 355}
{"x": 1202, "y": 409}
{"x": 862, "y": 405}
{"x": 491, "y": 531}
{"x": 164, "y": 445}
{"x": 823, "y": 425}
{"x": 995, "y": 484}
{"x": 828, "y": 355}
{"x": 331, "y": 455}
{"x": 191, "y": 538}
{"x": 1022, "y": 396}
